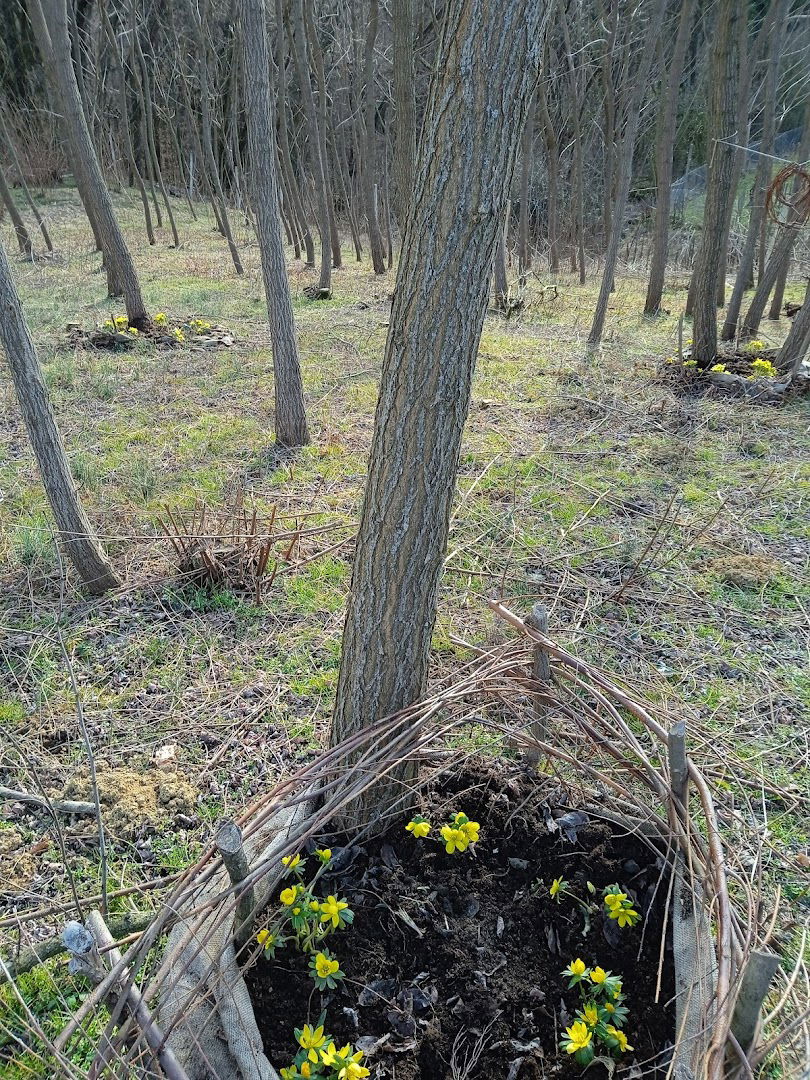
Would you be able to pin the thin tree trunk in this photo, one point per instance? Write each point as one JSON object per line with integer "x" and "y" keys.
{"x": 375, "y": 241}
{"x": 405, "y": 105}
{"x": 778, "y": 261}
{"x": 474, "y": 118}
{"x": 553, "y": 170}
{"x": 775, "y": 310}
{"x": 284, "y": 140}
{"x": 290, "y": 416}
{"x": 54, "y": 44}
{"x": 75, "y": 529}
{"x": 777, "y": 18}
{"x": 797, "y": 343}
{"x": 9, "y": 142}
{"x": 578, "y": 248}
{"x": 637, "y": 79}
{"x": 524, "y": 240}
{"x": 323, "y": 126}
{"x": 722, "y": 119}
{"x": 663, "y": 160}
{"x": 299, "y": 44}
{"x": 20, "y": 231}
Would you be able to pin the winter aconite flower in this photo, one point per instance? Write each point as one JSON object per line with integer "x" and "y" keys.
{"x": 556, "y": 886}
{"x": 591, "y": 1015}
{"x": 325, "y": 966}
{"x": 324, "y": 854}
{"x": 311, "y": 1040}
{"x": 578, "y": 1037}
{"x": 619, "y": 1037}
{"x": 625, "y": 916}
{"x": 419, "y": 826}
{"x": 598, "y": 975}
{"x": 454, "y": 839}
{"x": 160, "y": 319}
{"x": 291, "y": 861}
{"x": 334, "y": 911}
{"x": 719, "y": 368}
{"x": 264, "y": 937}
{"x": 763, "y": 367}
{"x": 287, "y": 896}
{"x": 576, "y": 969}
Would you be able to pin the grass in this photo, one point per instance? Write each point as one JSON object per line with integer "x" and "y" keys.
{"x": 598, "y": 489}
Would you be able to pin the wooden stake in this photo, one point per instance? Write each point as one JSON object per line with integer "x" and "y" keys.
{"x": 229, "y": 845}
{"x": 756, "y": 978}
{"x": 678, "y": 764}
{"x": 541, "y": 672}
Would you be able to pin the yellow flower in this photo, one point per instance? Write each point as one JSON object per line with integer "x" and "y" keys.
{"x": 591, "y": 1014}
{"x": 615, "y": 900}
{"x": 719, "y": 368}
{"x": 609, "y": 1007}
{"x": 312, "y": 1039}
{"x": 160, "y": 318}
{"x": 329, "y": 1055}
{"x": 324, "y": 966}
{"x": 306, "y": 1068}
{"x": 617, "y": 988}
{"x": 291, "y": 861}
{"x": 121, "y": 320}
{"x": 331, "y": 909}
{"x": 133, "y": 330}
{"x": 353, "y": 1070}
{"x": 178, "y": 334}
{"x": 454, "y": 839}
{"x": 109, "y": 324}
{"x": 287, "y": 896}
{"x": 578, "y": 1037}
{"x": 620, "y": 1038}
{"x": 470, "y": 830}
{"x": 419, "y": 827}
{"x": 576, "y": 967}
{"x": 763, "y": 367}
{"x": 690, "y": 363}
{"x": 264, "y": 937}
{"x": 314, "y": 905}
{"x": 624, "y": 916}
{"x": 288, "y": 1073}
{"x": 324, "y": 854}
{"x": 598, "y": 975}
{"x": 556, "y": 885}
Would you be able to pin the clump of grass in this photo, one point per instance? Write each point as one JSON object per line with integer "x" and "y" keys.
{"x": 85, "y": 471}
{"x": 142, "y": 478}
{"x": 104, "y": 382}
{"x": 33, "y": 545}
{"x": 60, "y": 374}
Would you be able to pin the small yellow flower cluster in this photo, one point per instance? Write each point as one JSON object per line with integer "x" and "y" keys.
{"x": 178, "y": 334}
{"x": 419, "y": 826}
{"x": 319, "y": 1051}
{"x": 620, "y": 908}
{"x": 719, "y": 368}
{"x": 160, "y": 319}
{"x": 763, "y": 368}
{"x": 690, "y": 363}
{"x": 755, "y": 346}
{"x": 602, "y": 1001}
{"x": 198, "y": 326}
{"x": 457, "y": 835}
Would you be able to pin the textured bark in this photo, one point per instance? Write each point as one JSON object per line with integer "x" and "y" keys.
{"x": 489, "y": 58}
{"x": 74, "y": 527}
{"x": 578, "y": 216}
{"x": 632, "y": 115}
{"x": 721, "y": 122}
{"x": 524, "y": 241}
{"x": 375, "y": 241}
{"x": 663, "y": 160}
{"x": 797, "y": 343}
{"x": 299, "y": 43}
{"x": 20, "y": 231}
{"x": 777, "y": 18}
{"x": 290, "y": 416}
{"x": 54, "y": 44}
{"x": 316, "y": 55}
{"x": 500, "y": 269}
{"x": 775, "y": 310}
{"x": 553, "y": 170}
{"x": 405, "y": 105}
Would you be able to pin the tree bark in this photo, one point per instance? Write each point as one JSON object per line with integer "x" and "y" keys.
{"x": 553, "y": 170}
{"x": 375, "y": 241}
{"x": 636, "y": 81}
{"x": 74, "y": 527}
{"x": 405, "y": 105}
{"x": 9, "y": 142}
{"x": 20, "y": 231}
{"x": 299, "y": 44}
{"x": 663, "y": 160}
{"x": 489, "y": 58}
{"x": 290, "y": 415}
{"x": 524, "y": 240}
{"x": 763, "y": 172}
{"x": 722, "y": 118}
{"x": 797, "y": 343}
{"x": 53, "y": 40}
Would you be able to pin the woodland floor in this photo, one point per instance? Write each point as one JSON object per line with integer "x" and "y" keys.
{"x": 666, "y": 531}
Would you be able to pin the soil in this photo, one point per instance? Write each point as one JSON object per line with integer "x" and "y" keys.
{"x": 452, "y": 955}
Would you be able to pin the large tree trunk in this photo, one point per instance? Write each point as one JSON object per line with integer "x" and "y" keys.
{"x": 663, "y": 160}
{"x": 76, "y": 532}
{"x": 722, "y": 117}
{"x": 405, "y": 104}
{"x": 635, "y": 82}
{"x": 290, "y": 416}
{"x": 375, "y": 241}
{"x": 777, "y": 20}
{"x": 54, "y": 43}
{"x": 490, "y": 52}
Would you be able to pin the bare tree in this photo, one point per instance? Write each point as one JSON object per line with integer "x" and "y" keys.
{"x": 74, "y": 527}
{"x": 721, "y": 123}
{"x": 663, "y": 159}
{"x": 490, "y": 53}
{"x": 20, "y": 231}
{"x": 290, "y": 415}
{"x": 797, "y": 343}
{"x": 405, "y": 104}
{"x": 49, "y": 19}
{"x": 369, "y": 172}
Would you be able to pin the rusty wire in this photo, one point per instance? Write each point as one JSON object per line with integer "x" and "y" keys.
{"x": 794, "y": 199}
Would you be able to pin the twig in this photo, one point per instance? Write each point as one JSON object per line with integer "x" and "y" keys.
{"x": 64, "y": 806}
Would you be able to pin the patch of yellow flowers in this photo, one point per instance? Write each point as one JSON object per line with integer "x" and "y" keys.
{"x": 319, "y": 1056}
{"x": 458, "y": 834}
{"x": 601, "y": 1016}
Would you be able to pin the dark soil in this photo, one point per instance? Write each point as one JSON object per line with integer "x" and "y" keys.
{"x": 447, "y": 951}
